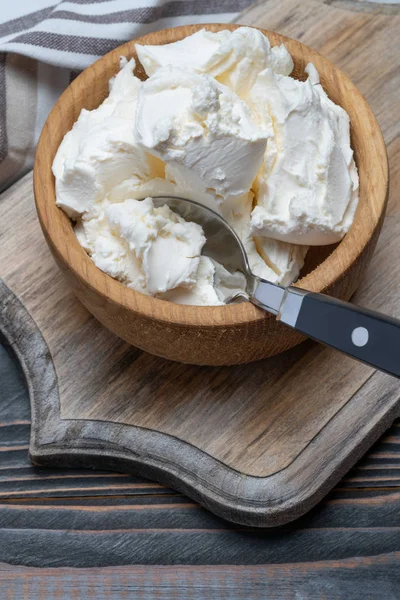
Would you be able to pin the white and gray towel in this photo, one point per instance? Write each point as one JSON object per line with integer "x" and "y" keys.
{"x": 44, "y": 43}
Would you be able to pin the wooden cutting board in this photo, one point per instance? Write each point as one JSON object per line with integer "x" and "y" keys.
{"x": 259, "y": 444}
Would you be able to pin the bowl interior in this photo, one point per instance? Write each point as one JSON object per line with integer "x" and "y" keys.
{"x": 324, "y": 265}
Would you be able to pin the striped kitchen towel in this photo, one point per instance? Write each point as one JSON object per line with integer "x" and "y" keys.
{"x": 44, "y": 43}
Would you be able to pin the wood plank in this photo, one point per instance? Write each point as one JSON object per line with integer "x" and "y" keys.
{"x": 358, "y": 579}
{"x": 160, "y": 513}
{"x": 190, "y": 547}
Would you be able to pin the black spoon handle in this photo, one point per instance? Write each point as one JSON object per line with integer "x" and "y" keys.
{"x": 368, "y": 336}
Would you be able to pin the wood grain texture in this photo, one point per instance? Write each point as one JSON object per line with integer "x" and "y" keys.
{"x": 115, "y": 533}
{"x": 364, "y": 579}
{"x": 212, "y": 335}
{"x": 259, "y": 444}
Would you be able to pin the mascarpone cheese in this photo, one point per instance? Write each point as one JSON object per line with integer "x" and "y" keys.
{"x": 110, "y": 253}
{"x": 234, "y": 58}
{"x": 218, "y": 121}
{"x": 167, "y": 247}
{"x": 202, "y": 130}
{"x": 101, "y": 151}
{"x": 307, "y": 189}
{"x": 214, "y": 284}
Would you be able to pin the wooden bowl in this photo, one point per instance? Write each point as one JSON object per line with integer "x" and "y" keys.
{"x": 221, "y": 335}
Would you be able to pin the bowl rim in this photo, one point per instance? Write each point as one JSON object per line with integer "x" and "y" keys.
{"x": 74, "y": 257}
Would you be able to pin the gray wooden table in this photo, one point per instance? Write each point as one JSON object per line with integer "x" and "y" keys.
{"x": 152, "y": 542}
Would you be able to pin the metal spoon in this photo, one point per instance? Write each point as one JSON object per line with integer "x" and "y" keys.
{"x": 368, "y": 336}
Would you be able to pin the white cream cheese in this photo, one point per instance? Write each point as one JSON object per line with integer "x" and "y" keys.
{"x": 234, "y": 58}
{"x": 202, "y": 293}
{"x": 110, "y": 253}
{"x": 220, "y": 122}
{"x": 101, "y": 151}
{"x": 307, "y": 189}
{"x": 270, "y": 259}
{"x": 214, "y": 284}
{"x": 202, "y": 130}
{"x": 167, "y": 247}
{"x": 155, "y": 251}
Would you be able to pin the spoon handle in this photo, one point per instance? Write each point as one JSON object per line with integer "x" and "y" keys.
{"x": 368, "y": 336}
